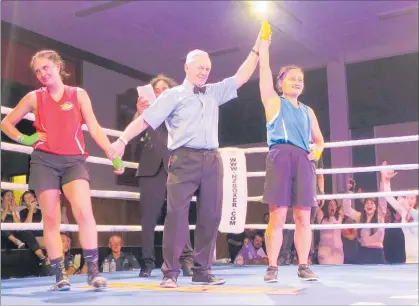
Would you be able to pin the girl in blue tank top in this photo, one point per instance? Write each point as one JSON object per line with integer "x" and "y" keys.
{"x": 290, "y": 125}
{"x": 290, "y": 170}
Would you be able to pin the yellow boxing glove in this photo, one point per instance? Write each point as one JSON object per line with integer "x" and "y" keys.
{"x": 317, "y": 154}
{"x": 266, "y": 30}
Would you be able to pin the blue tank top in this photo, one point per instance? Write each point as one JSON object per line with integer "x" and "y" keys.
{"x": 290, "y": 125}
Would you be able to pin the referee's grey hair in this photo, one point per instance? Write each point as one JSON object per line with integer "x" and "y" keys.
{"x": 191, "y": 55}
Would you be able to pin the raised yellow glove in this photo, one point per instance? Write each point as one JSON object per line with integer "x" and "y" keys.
{"x": 266, "y": 30}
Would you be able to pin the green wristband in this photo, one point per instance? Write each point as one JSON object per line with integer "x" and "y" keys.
{"x": 118, "y": 163}
{"x": 29, "y": 140}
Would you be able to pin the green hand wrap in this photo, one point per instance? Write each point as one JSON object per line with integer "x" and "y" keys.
{"x": 29, "y": 140}
{"x": 118, "y": 164}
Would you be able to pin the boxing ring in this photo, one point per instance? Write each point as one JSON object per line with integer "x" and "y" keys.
{"x": 337, "y": 285}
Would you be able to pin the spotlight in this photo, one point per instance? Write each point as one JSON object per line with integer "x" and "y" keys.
{"x": 261, "y": 6}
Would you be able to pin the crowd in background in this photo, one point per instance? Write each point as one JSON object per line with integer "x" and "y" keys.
{"x": 347, "y": 246}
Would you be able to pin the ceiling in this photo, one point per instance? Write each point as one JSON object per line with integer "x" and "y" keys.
{"x": 155, "y": 36}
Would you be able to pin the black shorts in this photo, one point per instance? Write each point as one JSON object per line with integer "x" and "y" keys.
{"x": 290, "y": 177}
{"x": 49, "y": 171}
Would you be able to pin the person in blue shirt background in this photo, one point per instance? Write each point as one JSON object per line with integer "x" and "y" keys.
{"x": 190, "y": 112}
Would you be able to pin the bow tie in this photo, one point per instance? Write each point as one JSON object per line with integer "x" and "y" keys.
{"x": 197, "y": 90}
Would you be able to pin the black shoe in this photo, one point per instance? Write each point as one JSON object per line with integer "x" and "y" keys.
{"x": 209, "y": 279}
{"x": 305, "y": 273}
{"x": 145, "y": 272}
{"x": 187, "y": 269}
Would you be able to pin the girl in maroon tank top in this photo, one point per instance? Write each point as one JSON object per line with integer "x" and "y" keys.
{"x": 58, "y": 161}
{"x": 61, "y": 139}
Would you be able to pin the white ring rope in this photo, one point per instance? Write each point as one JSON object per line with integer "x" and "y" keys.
{"x": 352, "y": 170}
{"x": 91, "y": 159}
{"x": 104, "y": 161}
{"x": 108, "y": 194}
{"x": 159, "y": 228}
{"x": 351, "y": 143}
{"x": 136, "y": 195}
{"x": 337, "y": 144}
{"x": 364, "y": 195}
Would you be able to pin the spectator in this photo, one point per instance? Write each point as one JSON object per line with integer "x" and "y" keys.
{"x": 252, "y": 253}
{"x": 394, "y": 242}
{"x": 371, "y": 240}
{"x": 407, "y": 208}
{"x": 352, "y": 187}
{"x": 10, "y": 215}
{"x": 123, "y": 261}
{"x": 73, "y": 263}
{"x": 350, "y": 242}
{"x": 31, "y": 213}
{"x": 235, "y": 243}
{"x": 330, "y": 250}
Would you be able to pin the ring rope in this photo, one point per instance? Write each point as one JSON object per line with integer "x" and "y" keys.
{"x": 136, "y": 196}
{"x": 104, "y": 161}
{"x": 159, "y": 228}
{"x": 108, "y": 194}
{"x": 127, "y": 195}
{"x": 350, "y": 143}
{"x": 91, "y": 159}
{"x": 337, "y": 144}
{"x": 352, "y": 170}
{"x": 363, "y": 195}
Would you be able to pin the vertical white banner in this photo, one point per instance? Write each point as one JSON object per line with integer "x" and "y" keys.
{"x": 233, "y": 218}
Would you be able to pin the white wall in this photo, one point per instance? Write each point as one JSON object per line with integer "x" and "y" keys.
{"x": 103, "y": 86}
{"x": 399, "y": 153}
